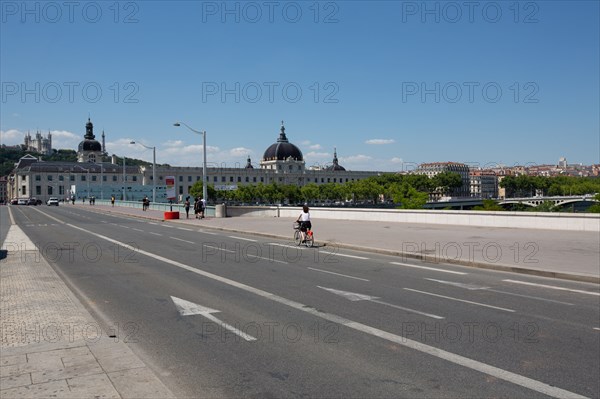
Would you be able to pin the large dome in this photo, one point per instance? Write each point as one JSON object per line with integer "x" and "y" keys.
{"x": 90, "y": 145}
{"x": 282, "y": 149}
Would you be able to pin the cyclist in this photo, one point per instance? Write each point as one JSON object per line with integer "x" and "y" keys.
{"x": 304, "y": 221}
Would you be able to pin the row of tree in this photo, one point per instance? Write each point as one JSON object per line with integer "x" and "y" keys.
{"x": 528, "y": 186}
{"x": 411, "y": 191}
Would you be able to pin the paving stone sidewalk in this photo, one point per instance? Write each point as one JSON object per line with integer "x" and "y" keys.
{"x": 50, "y": 346}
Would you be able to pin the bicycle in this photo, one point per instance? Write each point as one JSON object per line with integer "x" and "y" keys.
{"x": 308, "y": 236}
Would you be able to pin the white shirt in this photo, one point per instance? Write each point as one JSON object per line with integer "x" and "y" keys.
{"x": 305, "y": 217}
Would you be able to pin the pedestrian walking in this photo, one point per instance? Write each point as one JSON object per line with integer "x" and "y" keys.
{"x": 187, "y": 207}
{"x": 112, "y": 201}
{"x": 202, "y": 208}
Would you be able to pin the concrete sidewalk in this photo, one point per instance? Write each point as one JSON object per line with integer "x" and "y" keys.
{"x": 568, "y": 255}
{"x": 50, "y": 346}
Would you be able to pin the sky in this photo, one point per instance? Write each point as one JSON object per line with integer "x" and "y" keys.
{"x": 389, "y": 84}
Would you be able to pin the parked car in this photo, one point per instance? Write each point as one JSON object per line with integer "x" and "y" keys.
{"x": 22, "y": 201}
{"x": 32, "y": 201}
{"x": 14, "y": 201}
{"x": 52, "y": 201}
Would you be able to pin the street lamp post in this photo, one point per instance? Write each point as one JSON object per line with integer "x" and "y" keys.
{"x": 124, "y": 178}
{"x": 153, "y": 169}
{"x": 203, "y": 133}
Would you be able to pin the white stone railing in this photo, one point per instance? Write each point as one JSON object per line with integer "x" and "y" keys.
{"x": 528, "y": 220}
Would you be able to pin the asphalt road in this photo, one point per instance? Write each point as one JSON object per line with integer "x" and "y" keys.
{"x": 303, "y": 322}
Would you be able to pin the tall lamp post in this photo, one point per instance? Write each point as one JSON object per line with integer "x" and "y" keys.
{"x": 153, "y": 169}
{"x": 203, "y": 133}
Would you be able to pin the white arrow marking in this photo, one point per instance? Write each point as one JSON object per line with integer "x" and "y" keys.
{"x": 187, "y": 308}
{"x": 352, "y": 296}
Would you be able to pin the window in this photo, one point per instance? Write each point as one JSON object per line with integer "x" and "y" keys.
{"x": 189, "y": 178}
{"x": 254, "y": 179}
{"x": 49, "y": 190}
{"x": 49, "y": 177}
{"x": 231, "y": 179}
{"x": 262, "y": 179}
{"x": 61, "y": 190}
{"x": 239, "y": 179}
{"x": 180, "y": 188}
{"x": 114, "y": 178}
{"x": 134, "y": 178}
{"x": 197, "y": 178}
{"x": 38, "y": 190}
{"x": 94, "y": 178}
{"x": 71, "y": 178}
{"x": 248, "y": 179}
{"x": 82, "y": 177}
{"x": 223, "y": 179}
{"x": 38, "y": 177}
{"x": 215, "y": 179}
{"x": 181, "y": 178}
{"x": 104, "y": 178}
{"x": 61, "y": 178}
{"x": 24, "y": 190}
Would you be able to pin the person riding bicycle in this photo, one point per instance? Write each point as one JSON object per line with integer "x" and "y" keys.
{"x": 304, "y": 221}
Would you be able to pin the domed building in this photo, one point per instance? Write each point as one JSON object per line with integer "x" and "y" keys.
{"x": 283, "y": 156}
{"x": 90, "y": 150}
{"x": 336, "y": 165}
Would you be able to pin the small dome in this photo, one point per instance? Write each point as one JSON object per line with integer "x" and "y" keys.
{"x": 336, "y": 166}
{"x": 282, "y": 149}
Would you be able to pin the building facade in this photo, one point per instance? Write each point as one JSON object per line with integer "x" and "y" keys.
{"x": 435, "y": 168}
{"x": 483, "y": 184}
{"x": 282, "y": 163}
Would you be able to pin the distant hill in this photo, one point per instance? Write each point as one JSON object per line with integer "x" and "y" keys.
{"x": 11, "y": 155}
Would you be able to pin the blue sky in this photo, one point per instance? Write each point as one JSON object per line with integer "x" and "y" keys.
{"x": 390, "y": 84}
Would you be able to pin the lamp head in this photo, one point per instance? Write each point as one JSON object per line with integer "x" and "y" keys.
{"x": 132, "y": 142}
{"x": 177, "y": 124}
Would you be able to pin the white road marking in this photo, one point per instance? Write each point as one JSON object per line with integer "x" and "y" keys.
{"x": 208, "y": 232}
{"x": 183, "y": 228}
{"x": 133, "y": 228}
{"x": 460, "y": 285}
{"x": 156, "y": 234}
{"x": 427, "y": 268}
{"x": 531, "y": 297}
{"x": 459, "y": 300}
{"x": 553, "y": 287}
{"x": 473, "y": 287}
{"x": 179, "y": 239}
{"x": 505, "y": 375}
{"x": 285, "y": 245}
{"x": 596, "y": 328}
{"x": 337, "y": 274}
{"x": 248, "y": 255}
{"x": 125, "y": 227}
{"x": 10, "y": 215}
{"x": 345, "y": 255}
{"x": 219, "y": 248}
{"x": 354, "y": 297}
{"x": 187, "y": 308}
{"x": 241, "y": 238}
{"x": 156, "y": 224}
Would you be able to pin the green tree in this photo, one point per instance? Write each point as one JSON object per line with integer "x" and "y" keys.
{"x": 489, "y": 205}
{"x": 196, "y": 191}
